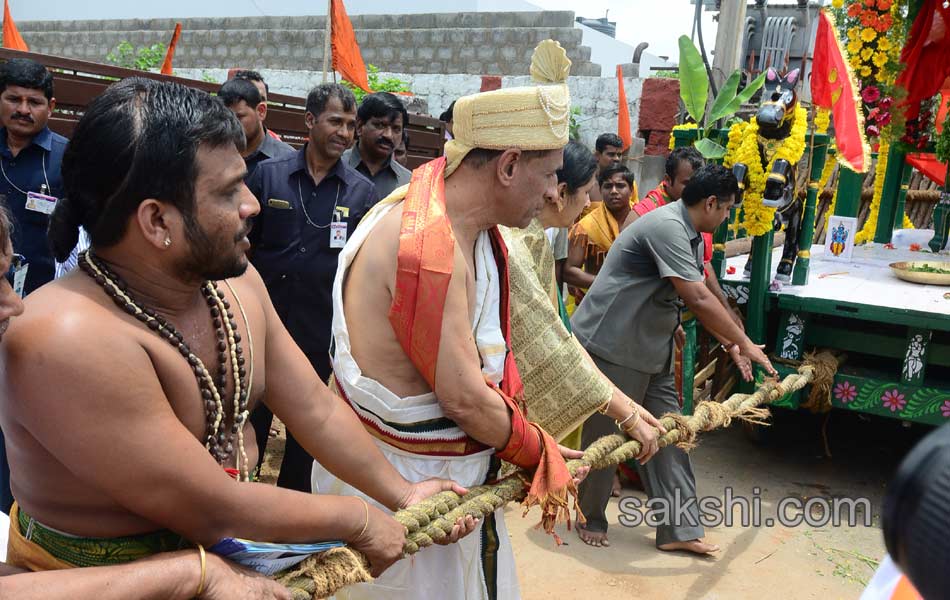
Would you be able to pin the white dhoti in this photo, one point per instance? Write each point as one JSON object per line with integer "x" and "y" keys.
{"x": 416, "y": 437}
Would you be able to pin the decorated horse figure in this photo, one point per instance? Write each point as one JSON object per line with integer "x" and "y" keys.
{"x": 780, "y": 141}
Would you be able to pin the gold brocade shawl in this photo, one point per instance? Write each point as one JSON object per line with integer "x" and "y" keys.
{"x": 561, "y": 387}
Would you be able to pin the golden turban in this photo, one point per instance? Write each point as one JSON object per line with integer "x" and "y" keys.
{"x": 530, "y": 118}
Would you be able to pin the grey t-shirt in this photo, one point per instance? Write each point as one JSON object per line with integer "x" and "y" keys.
{"x": 630, "y": 313}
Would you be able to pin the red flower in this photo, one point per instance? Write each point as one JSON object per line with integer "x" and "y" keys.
{"x": 873, "y": 130}
{"x": 870, "y": 3}
{"x": 854, "y": 9}
{"x": 889, "y": 246}
{"x": 730, "y": 270}
{"x": 885, "y": 102}
{"x": 884, "y": 119}
{"x": 886, "y": 21}
{"x": 915, "y": 247}
{"x": 870, "y": 94}
{"x": 884, "y": 4}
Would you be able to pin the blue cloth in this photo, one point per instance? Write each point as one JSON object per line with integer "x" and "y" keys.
{"x": 6, "y": 496}
{"x": 293, "y": 256}
{"x": 33, "y": 167}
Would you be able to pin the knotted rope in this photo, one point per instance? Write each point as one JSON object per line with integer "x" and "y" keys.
{"x": 431, "y": 520}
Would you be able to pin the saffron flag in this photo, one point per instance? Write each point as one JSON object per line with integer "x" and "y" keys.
{"x": 11, "y": 35}
{"x": 833, "y": 87}
{"x": 623, "y": 115}
{"x": 347, "y": 60}
{"x": 170, "y": 53}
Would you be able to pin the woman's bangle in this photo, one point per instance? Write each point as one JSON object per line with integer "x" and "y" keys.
{"x": 635, "y": 413}
{"x": 204, "y": 570}
{"x": 603, "y": 408}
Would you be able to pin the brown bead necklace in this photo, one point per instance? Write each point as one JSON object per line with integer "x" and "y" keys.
{"x": 218, "y": 436}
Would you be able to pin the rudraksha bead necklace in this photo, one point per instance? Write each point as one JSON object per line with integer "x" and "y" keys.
{"x": 218, "y": 438}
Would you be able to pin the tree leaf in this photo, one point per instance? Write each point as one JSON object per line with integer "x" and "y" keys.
{"x": 721, "y": 105}
{"x": 694, "y": 86}
{"x": 749, "y": 90}
{"x": 710, "y": 149}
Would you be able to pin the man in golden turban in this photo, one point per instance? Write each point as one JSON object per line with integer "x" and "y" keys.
{"x": 421, "y": 327}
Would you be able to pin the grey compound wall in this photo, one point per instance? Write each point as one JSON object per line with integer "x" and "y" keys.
{"x": 449, "y": 43}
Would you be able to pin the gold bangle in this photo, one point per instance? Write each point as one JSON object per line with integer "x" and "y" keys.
{"x": 366, "y": 522}
{"x": 635, "y": 413}
{"x": 603, "y": 407}
{"x": 204, "y": 570}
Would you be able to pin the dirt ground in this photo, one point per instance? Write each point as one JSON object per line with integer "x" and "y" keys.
{"x": 801, "y": 562}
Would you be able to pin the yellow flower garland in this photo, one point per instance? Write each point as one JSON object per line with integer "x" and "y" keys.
{"x": 679, "y": 127}
{"x": 743, "y": 147}
{"x": 822, "y": 120}
{"x": 867, "y": 232}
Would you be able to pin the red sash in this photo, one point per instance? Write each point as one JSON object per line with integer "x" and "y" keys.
{"x": 424, "y": 269}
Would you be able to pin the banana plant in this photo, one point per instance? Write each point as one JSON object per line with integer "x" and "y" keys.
{"x": 694, "y": 91}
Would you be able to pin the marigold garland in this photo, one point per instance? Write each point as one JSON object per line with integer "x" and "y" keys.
{"x": 743, "y": 147}
{"x": 822, "y": 120}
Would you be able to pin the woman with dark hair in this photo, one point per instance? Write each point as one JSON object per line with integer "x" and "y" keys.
{"x": 562, "y": 385}
{"x": 173, "y": 575}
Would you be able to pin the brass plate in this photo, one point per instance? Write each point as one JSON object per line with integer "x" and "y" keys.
{"x": 901, "y": 269}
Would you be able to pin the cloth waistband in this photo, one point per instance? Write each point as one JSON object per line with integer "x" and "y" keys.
{"x": 401, "y": 435}
{"x": 94, "y": 552}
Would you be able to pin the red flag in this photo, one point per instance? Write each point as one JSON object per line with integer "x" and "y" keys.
{"x": 833, "y": 87}
{"x": 170, "y": 53}
{"x": 11, "y": 35}
{"x": 926, "y": 55}
{"x": 347, "y": 60}
{"x": 623, "y": 115}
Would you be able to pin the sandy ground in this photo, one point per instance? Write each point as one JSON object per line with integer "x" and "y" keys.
{"x": 780, "y": 562}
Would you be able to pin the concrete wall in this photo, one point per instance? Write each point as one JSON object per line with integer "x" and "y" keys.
{"x": 595, "y": 96}
{"x": 449, "y": 43}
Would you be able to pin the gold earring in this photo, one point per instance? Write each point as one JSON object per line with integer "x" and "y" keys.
{"x": 168, "y": 242}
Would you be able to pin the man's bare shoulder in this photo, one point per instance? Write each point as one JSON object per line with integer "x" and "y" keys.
{"x": 69, "y": 315}
{"x": 379, "y": 251}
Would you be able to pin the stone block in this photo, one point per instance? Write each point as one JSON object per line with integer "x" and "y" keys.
{"x": 443, "y": 53}
{"x": 300, "y": 52}
{"x": 418, "y": 37}
{"x": 437, "y": 37}
{"x": 659, "y": 103}
{"x": 466, "y": 53}
{"x": 425, "y": 53}
{"x": 283, "y": 50}
{"x": 485, "y": 52}
{"x": 509, "y": 54}
{"x": 458, "y": 37}
{"x": 268, "y": 51}
{"x": 386, "y": 54}
{"x": 207, "y": 52}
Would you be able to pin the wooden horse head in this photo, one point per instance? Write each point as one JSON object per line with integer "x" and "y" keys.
{"x": 777, "y": 108}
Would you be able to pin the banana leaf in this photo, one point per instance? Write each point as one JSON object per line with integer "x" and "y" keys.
{"x": 710, "y": 149}
{"x": 727, "y": 94}
{"x": 694, "y": 86}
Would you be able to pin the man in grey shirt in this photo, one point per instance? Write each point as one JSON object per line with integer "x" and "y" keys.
{"x": 380, "y": 121}
{"x": 629, "y": 323}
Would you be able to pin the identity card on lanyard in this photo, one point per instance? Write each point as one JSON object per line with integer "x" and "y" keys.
{"x": 19, "y": 279}
{"x": 337, "y": 231}
{"x": 40, "y": 203}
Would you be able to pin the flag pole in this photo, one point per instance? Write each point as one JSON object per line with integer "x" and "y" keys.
{"x": 327, "y": 35}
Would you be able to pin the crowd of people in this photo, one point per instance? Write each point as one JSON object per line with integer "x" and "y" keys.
{"x": 401, "y": 325}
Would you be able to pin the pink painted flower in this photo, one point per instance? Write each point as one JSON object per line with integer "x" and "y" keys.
{"x": 845, "y": 392}
{"x": 870, "y": 94}
{"x": 873, "y": 130}
{"x": 893, "y": 400}
{"x": 945, "y": 409}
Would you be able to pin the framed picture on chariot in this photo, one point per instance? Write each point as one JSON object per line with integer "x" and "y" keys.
{"x": 839, "y": 241}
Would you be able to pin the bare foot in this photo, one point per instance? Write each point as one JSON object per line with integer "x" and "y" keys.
{"x": 694, "y": 546}
{"x": 592, "y": 538}
{"x": 617, "y": 488}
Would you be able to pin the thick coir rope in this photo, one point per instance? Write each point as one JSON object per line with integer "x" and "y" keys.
{"x": 432, "y": 519}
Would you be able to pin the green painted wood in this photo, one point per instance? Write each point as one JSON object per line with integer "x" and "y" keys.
{"x": 882, "y": 397}
{"x": 915, "y": 356}
{"x": 874, "y": 344}
{"x": 684, "y": 137}
{"x": 689, "y": 364}
{"x": 719, "y": 249}
{"x": 880, "y": 314}
{"x": 849, "y": 193}
{"x": 888, "y": 217}
{"x": 759, "y": 286}
{"x": 790, "y": 341}
{"x": 819, "y": 145}
{"x": 941, "y": 222}
{"x": 901, "y": 210}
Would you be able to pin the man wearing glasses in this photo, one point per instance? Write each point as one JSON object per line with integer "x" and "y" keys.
{"x": 30, "y": 158}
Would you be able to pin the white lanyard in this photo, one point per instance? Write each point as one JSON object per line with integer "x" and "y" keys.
{"x": 45, "y": 178}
